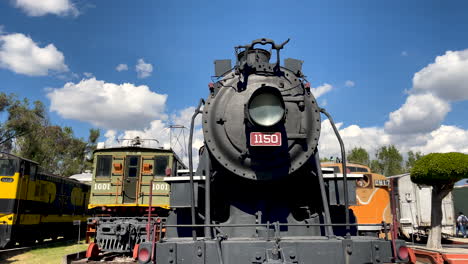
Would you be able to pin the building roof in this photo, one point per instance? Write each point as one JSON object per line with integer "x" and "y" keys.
{"x": 83, "y": 177}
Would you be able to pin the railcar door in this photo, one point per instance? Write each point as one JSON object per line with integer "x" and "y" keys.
{"x": 132, "y": 176}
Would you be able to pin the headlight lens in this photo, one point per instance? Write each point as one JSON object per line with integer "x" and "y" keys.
{"x": 266, "y": 108}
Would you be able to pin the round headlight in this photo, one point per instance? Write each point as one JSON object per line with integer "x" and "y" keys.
{"x": 266, "y": 108}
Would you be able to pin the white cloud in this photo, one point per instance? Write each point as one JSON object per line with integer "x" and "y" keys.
{"x": 404, "y": 53}
{"x": 445, "y": 139}
{"x": 447, "y": 77}
{"x": 321, "y": 90}
{"x": 184, "y": 117}
{"x": 121, "y": 67}
{"x": 108, "y": 105}
{"x": 88, "y": 74}
{"x": 435, "y": 87}
{"x": 111, "y": 137}
{"x": 19, "y": 53}
{"x": 44, "y": 7}
{"x": 353, "y": 136}
{"x": 349, "y": 83}
{"x": 2, "y": 29}
{"x": 418, "y": 124}
{"x": 420, "y": 113}
{"x": 143, "y": 69}
{"x": 159, "y": 129}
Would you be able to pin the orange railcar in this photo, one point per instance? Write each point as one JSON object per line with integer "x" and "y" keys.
{"x": 372, "y": 197}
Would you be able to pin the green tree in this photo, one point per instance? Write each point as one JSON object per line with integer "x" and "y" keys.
{"x": 55, "y": 148}
{"x": 90, "y": 147}
{"x": 27, "y": 132}
{"x": 441, "y": 171}
{"x": 358, "y": 155}
{"x": 412, "y": 158}
{"x": 375, "y": 167}
{"x": 20, "y": 120}
{"x": 388, "y": 161}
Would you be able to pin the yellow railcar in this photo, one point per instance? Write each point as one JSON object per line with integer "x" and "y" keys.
{"x": 372, "y": 197}
{"x": 35, "y": 205}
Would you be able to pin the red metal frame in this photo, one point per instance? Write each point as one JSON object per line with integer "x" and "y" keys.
{"x": 148, "y": 225}
{"x": 394, "y": 227}
{"x": 436, "y": 257}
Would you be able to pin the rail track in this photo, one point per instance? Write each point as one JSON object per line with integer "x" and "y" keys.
{"x": 108, "y": 258}
{"x": 10, "y": 252}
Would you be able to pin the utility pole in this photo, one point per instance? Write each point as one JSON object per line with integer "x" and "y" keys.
{"x": 179, "y": 136}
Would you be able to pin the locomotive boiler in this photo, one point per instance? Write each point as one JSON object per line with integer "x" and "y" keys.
{"x": 258, "y": 195}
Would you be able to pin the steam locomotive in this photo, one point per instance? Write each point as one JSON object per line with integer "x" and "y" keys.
{"x": 258, "y": 195}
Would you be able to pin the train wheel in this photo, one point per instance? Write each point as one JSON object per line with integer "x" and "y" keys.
{"x": 93, "y": 251}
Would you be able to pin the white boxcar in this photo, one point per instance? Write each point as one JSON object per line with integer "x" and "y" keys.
{"x": 414, "y": 208}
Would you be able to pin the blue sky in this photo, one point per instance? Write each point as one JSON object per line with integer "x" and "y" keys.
{"x": 361, "y": 56}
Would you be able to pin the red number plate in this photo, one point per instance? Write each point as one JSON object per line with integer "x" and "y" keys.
{"x": 265, "y": 139}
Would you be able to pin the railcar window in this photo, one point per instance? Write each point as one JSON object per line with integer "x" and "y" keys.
{"x": 133, "y": 161}
{"x": 103, "y": 167}
{"x": 336, "y": 169}
{"x": 8, "y": 167}
{"x": 33, "y": 171}
{"x": 160, "y": 166}
{"x": 27, "y": 171}
{"x": 359, "y": 169}
{"x": 133, "y": 166}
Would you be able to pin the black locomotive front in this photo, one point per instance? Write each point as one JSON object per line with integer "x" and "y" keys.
{"x": 258, "y": 195}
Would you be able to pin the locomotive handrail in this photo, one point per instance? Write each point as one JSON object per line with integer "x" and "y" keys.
{"x": 326, "y": 209}
{"x": 150, "y": 205}
{"x": 343, "y": 164}
{"x": 192, "y": 191}
{"x": 280, "y": 224}
{"x": 385, "y": 226}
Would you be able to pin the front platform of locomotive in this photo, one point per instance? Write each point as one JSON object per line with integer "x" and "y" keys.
{"x": 258, "y": 195}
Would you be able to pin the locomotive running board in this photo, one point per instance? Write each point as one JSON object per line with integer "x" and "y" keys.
{"x": 184, "y": 178}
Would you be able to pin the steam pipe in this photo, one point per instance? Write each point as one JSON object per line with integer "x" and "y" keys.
{"x": 207, "y": 195}
{"x": 343, "y": 162}
{"x": 328, "y": 228}
{"x": 192, "y": 191}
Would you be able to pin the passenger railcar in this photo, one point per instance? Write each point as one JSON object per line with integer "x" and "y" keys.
{"x": 126, "y": 182}
{"x": 372, "y": 195}
{"x": 35, "y": 205}
{"x": 259, "y": 195}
